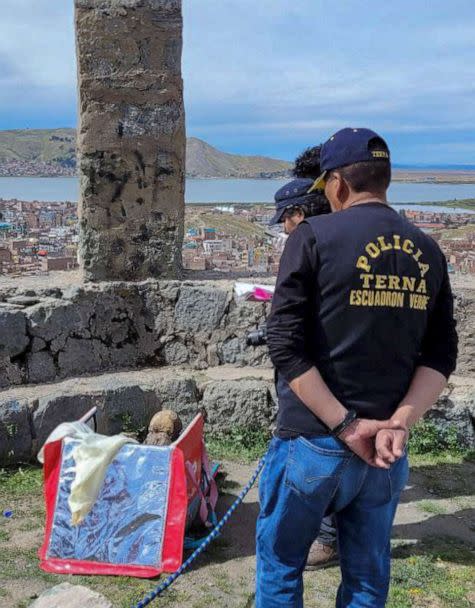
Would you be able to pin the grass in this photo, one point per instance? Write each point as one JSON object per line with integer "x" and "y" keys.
{"x": 436, "y": 572}
{"x": 37, "y": 145}
{"x": 21, "y": 492}
{"x": 431, "y": 580}
{"x": 467, "y": 203}
{"x": 429, "y": 445}
{"x": 429, "y": 506}
{"x": 241, "y": 445}
{"x": 445, "y": 457}
{"x": 18, "y": 481}
{"x": 224, "y": 223}
{"x": 442, "y": 576}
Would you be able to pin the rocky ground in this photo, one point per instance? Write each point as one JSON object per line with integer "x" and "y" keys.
{"x": 433, "y": 547}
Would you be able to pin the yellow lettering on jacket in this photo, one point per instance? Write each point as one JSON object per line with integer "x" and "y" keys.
{"x": 362, "y": 263}
{"x": 368, "y": 297}
{"x": 422, "y": 287}
{"x": 378, "y": 247}
{"x": 418, "y": 302}
{"x": 366, "y": 278}
{"x": 372, "y": 250}
{"x": 424, "y": 268}
{"x": 408, "y": 283}
{"x": 382, "y": 243}
{"x": 394, "y": 282}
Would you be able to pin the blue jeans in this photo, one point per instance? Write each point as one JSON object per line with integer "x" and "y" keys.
{"x": 304, "y": 480}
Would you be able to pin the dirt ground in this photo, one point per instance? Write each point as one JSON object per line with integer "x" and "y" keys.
{"x": 433, "y": 550}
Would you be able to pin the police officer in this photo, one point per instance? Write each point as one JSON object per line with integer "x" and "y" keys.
{"x": 362, "y": 330}
{"x": 293, "y": 204}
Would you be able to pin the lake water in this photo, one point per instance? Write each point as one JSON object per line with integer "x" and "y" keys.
{"x": 225, "y": 190}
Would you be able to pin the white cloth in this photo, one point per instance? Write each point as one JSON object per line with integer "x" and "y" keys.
{"x": 92, "y": 456}
{"x": 66, "y": 429}
{"x": 244, "y": 291}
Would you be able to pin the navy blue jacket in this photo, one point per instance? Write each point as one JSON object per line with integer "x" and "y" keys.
{"x": 364, "y": 296}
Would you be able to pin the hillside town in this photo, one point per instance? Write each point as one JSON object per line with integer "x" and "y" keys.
{"x": 39, "y": 237}
{"x": 25, "y": 168}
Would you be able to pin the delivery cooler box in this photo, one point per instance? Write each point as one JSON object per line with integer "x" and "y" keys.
{"x": 136, "y": 526}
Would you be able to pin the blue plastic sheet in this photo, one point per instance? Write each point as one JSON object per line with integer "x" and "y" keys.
{"x": 126, "y": 523}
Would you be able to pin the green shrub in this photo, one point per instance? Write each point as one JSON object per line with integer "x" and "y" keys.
{"x": 248, "y": 444}
{"x": 426, "y": 437}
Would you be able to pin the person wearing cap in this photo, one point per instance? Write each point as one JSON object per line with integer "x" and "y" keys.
{"x": 362, "y": 330}
{"x": 293, "y": 205}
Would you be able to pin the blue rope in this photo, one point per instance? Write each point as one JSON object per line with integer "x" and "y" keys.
{"x": 172, "y": 578}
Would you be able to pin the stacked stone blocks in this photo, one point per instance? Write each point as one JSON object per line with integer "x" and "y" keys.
{"x": 131, "y": 138}
{"x": 131, "y": 348}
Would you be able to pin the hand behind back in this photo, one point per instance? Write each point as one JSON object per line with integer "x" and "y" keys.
{"x": 361, "y": 437}
{"x": 389, "y": 446}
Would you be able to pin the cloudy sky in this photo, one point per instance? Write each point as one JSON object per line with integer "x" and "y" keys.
{"x": 272, "y": 76}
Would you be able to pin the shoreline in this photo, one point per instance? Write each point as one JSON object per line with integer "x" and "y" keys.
{"x": 468, "y": 204}
{"x": 464, "y": 204}
{"x": 406, "y": 176}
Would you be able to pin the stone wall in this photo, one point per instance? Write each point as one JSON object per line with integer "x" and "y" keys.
{"x": 132, "y": 348}
{"x": 126, "y": 401}
{"x": 465, "y": 314}
{"x": 52, "y": 334}
{"x": 230, "y": 397}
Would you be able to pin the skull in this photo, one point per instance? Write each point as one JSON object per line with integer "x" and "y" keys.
{"x": 164, "y": 428}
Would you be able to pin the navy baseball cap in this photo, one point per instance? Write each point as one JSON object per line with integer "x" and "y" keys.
{"x": 294, "y": 193}
{"x": 347, "y": 147}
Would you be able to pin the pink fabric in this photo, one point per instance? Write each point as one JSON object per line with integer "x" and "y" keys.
{"x": 194, "y": 481}
{"x": 213, "y": 488}
{"x": 208, "y": 501}
{"x": 260, "y": 295}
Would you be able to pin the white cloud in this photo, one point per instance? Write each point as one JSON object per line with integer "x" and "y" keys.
{"x": 269, "y": 69}
{"x": 37, "y": 38}
{"x": 399, "y": 66}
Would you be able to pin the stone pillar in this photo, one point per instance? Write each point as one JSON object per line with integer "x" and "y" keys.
{"x": 131, "y": 138}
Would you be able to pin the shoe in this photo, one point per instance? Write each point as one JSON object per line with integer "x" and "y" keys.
{"x": 321, "y": 556}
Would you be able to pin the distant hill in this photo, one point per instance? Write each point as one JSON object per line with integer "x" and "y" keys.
{"x": 53, "y": 152}
{"x": 39, "y": 145}
{"x": 202, "y": 160}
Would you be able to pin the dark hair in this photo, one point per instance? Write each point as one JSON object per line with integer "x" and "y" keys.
{"x": 307, "y": 164}
{"x": 316, "y": 204}
{"x": 369, "y": 176}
